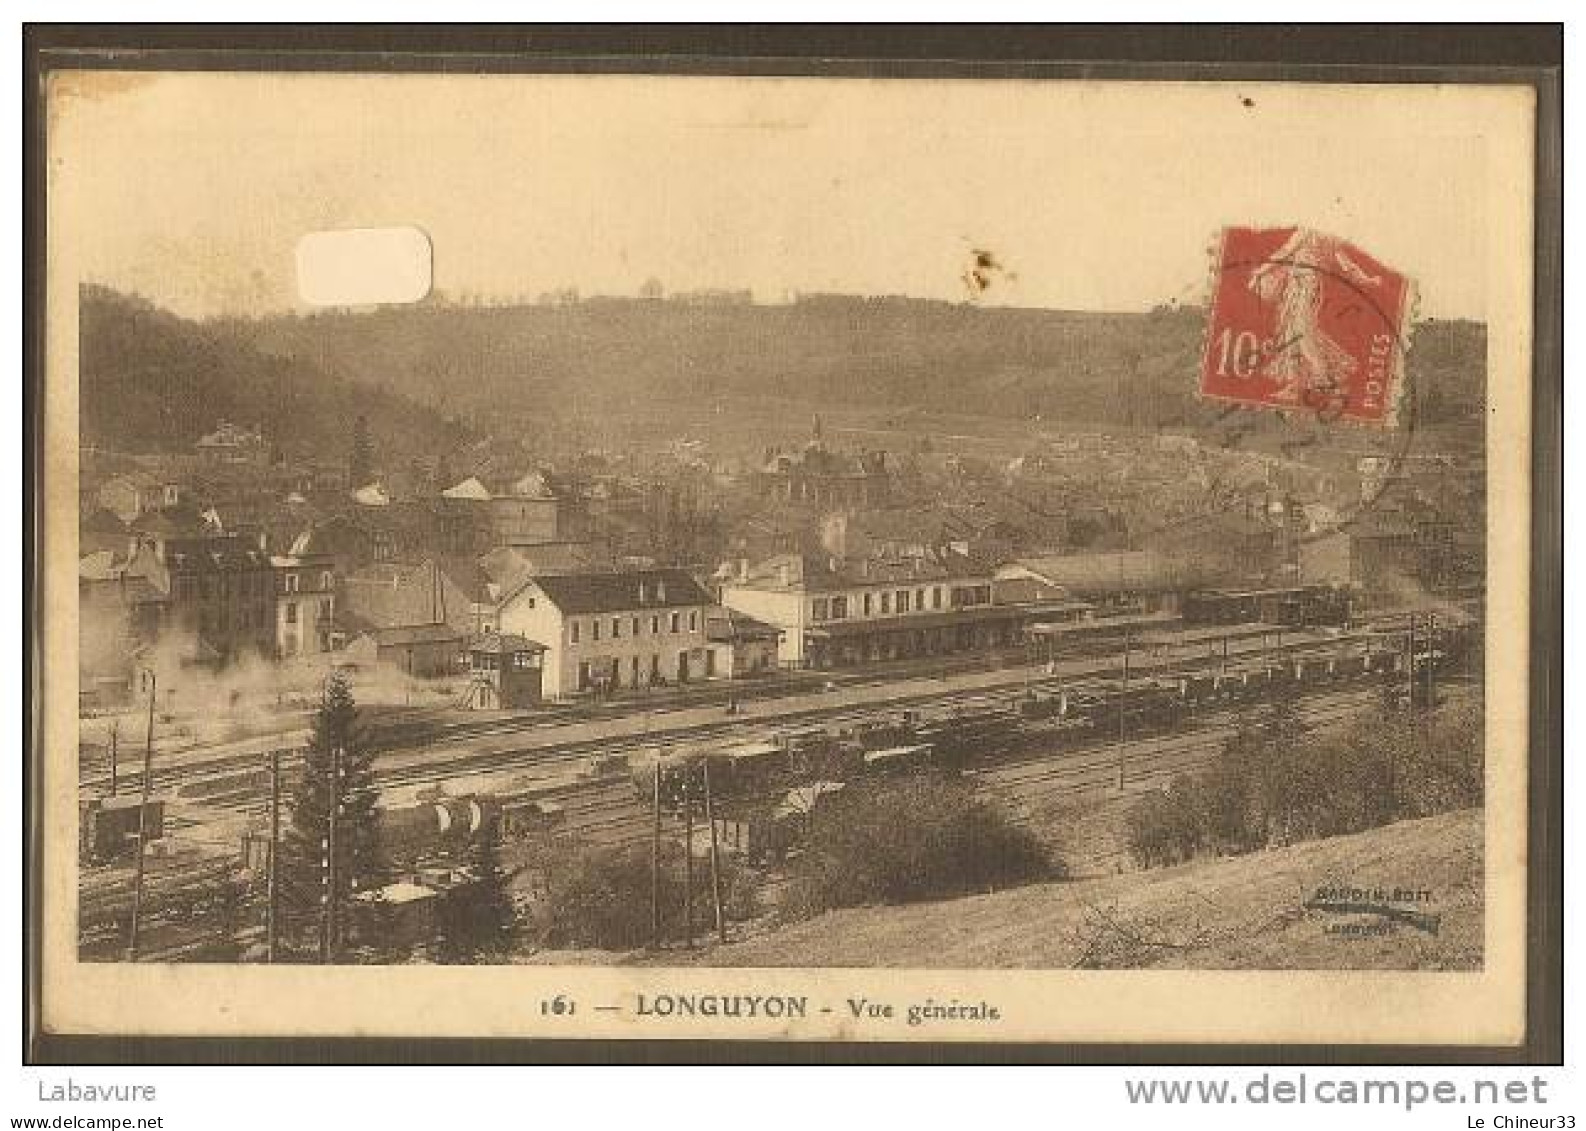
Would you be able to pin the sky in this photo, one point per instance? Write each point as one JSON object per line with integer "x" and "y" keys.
{"x": 193, "y": 190}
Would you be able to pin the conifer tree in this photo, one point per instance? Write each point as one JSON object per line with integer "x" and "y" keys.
{"x": 327, "y": 917}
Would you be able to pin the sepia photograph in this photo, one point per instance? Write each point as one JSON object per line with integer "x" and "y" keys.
{"x": 805, "y": 557}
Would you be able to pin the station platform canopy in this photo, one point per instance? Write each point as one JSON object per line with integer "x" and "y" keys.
{"x": 908, "y": 622}
{"x": 1096, "y": 626}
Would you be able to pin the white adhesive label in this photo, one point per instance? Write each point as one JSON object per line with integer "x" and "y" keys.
{"x": 364, "y": 266}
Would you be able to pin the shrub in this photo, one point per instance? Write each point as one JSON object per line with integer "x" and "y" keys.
{"x": 1168, "y": 826}
{"x": 1435, "y": 762}
{"x": 600, "y": 897}
{"x": 1274, "y": 783}
{"x": 917, "y": 838}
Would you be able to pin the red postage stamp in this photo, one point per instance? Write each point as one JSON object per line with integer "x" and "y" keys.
{"x": 1304, "y": 321}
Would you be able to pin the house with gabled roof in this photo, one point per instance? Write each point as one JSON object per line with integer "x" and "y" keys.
{"x": 436, "y": 590}
{"x": 220, "y": 590}
{"x": 506, "y": 566}
{"x": 605, "y": 631}
{"x": 136, "y": 493}
{"x": 479, "y": 514}
{"x": 470, "y": 489}
{"x": 420, "y": 651}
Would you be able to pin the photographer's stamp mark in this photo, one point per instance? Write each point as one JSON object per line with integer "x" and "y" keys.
{"x": 1365, "y": 911}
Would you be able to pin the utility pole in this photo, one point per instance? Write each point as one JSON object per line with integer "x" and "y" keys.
{"x": 715, "y": 859}
{"x": 115, "y": 730}
{"x": 1431, "y": 661}
{"x": 335, "y": 857}
{"x": 272, "y": 896}
{"x": 1123, "y": 709}
{"x": 655, "y": 854}
{"x": 688, "y": 861}
{"x": 328, "y": 923}
{"x": 143, "y": 826}
{"x": 1413, "y": 682}
{"x": 1393, "y": 779}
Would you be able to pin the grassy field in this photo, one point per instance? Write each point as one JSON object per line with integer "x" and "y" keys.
{"x": 1237, "y": 913}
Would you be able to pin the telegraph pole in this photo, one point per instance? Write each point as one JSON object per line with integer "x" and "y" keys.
{"x": 1410, "y": 661}
{"x": 335, "y": 857}
{"x": 688, "y": 861}
{"x": 655, "y": 855}
{"x": 1123, "y": 709}
{"x": 1431, "y": 661}
{"x": 272, "y": 899}
{"x": 115, "y": 731}
{"x": 328, "y": 922}
{"x": 143, "y": 824}
{"x": 715, "y": 859}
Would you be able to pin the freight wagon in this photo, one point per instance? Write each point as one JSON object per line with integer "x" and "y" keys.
{"x": 107, "y": 827}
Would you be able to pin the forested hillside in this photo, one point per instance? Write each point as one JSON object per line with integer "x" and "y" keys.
{"x": 1120, "y": 368}
{"x": 153, "y": 381}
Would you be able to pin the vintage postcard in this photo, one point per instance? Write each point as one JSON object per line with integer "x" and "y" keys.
{"x": 802, "y": 558}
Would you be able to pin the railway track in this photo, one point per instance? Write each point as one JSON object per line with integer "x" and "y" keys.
{"x": 556, "y": 770}
{"x": 552, "y": 760}
{"x": 1154, "y": 758}
{"x": 1185, "y": 655}
{"x": 106, "y": 894}
{"x": 1030, "y": 781}
{"x": 1318, "y": 707}
{"x": 607, "y": 812}
{"x": 1071, "y": 769}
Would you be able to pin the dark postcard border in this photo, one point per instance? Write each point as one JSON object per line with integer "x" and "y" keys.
{"x": 732, "y": 48}
{"x": 1531, "y": 54}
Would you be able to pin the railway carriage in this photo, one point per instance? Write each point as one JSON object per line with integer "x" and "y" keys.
{"x": 880, "y": 733}
{"x": 1044, "y": 704}
{"x": 528, "y": 815}
{"x": 1292, "y": 606}
{"x": 983, "y": 727}
{"x": 1196, "y": 689}
{"x": 1383, "y": 661}
{"x": 1312, "y": 669}
{"x": 814, "y": 753}
{"x": 960, "y": 736}
{"x": 1352, "y": 666}
{"x": 751, "y": 768}
{"x": 735, "y": 772}
{"x": 108, "y": 826}
{"x": 1245, "y": 684}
